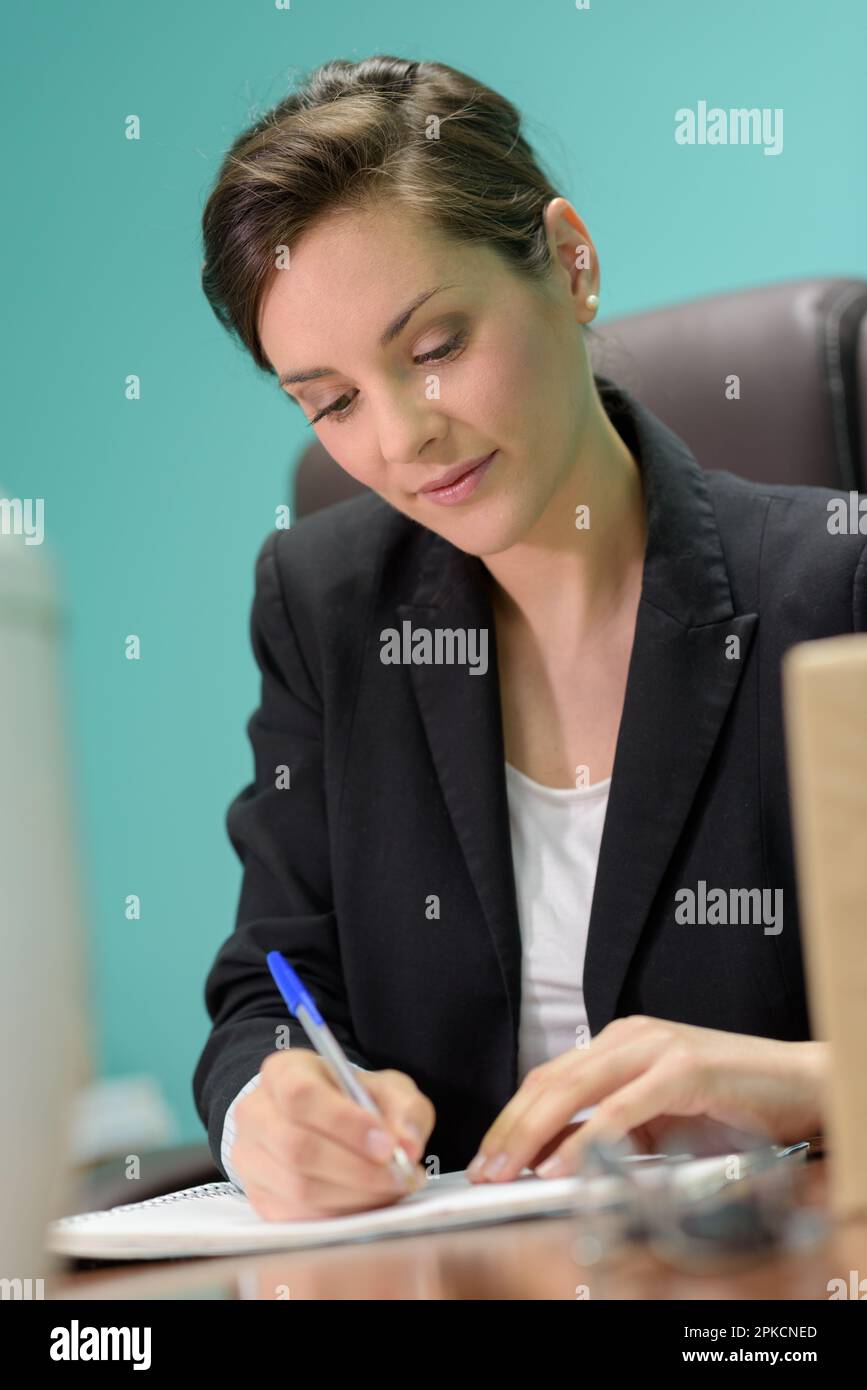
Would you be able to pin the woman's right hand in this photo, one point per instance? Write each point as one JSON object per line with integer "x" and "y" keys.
{"x": 304, "y": 1150}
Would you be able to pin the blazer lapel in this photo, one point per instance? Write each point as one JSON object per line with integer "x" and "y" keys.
{"x": 463, "y": 723}
{"x": 682, "y": 676}
{"x": 679, "y": 686}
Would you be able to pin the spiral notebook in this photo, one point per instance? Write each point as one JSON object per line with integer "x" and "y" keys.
{"x": 218, "y": 1219}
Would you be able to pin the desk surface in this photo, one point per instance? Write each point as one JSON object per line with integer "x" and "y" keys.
{"x": 521, "y": 1260}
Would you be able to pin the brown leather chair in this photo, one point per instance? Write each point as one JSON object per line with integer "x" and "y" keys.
{"x": 799, "y": 350}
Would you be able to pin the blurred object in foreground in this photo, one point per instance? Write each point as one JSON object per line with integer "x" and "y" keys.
{"x": 706, "y": 1208}
{"x": 825, "y": 689}
{"x": 43, "y": 1053}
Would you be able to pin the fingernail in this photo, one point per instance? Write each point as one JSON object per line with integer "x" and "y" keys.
{"x": 478, "y": 1163}
{"x": 550, "y": 1167}
{"x": 379, "y": 1144}
{"x": 496, "y": 1165}
{"x": 412, "y": 1134}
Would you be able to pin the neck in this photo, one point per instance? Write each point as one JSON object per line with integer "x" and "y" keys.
{"x": 579, "y": 575}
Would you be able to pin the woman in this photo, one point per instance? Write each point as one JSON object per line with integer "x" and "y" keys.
{"x": 541, "y": 621}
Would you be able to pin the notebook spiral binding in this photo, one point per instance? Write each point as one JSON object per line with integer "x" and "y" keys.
{"x": 206, "y": 1189}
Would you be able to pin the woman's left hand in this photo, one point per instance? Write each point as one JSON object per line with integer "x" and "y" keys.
{"x": 641, "y": 1074}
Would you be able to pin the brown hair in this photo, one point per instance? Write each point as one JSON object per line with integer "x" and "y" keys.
{"x": 353, "y": 133}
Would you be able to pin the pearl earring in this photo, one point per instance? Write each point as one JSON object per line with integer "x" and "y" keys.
{"x": 592, "y": 301}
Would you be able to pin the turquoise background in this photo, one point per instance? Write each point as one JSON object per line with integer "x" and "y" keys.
{"x": 155, "y": 510}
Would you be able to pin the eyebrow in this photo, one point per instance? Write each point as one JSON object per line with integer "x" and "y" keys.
{"x": 396, "y": 326}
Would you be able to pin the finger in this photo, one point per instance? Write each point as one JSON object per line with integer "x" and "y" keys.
{"x": 303, "y": 1152}
{"x": 299, "y": 1095}
{"x": 553, "y": 1105}
{"x": 407, "y": 1112}
{"x": 281, "y": 1195}
{"x": 668, "y": 1088}
{"x": 551, "y": 1145}
{"x": 536, "y": 1082}
{"x": 616, "y": 1034}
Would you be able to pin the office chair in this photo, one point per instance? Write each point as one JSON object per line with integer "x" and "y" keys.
{"x": 799, "y": 350}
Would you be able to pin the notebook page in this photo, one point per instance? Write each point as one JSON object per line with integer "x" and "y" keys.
{"x": 218, "y": 1219}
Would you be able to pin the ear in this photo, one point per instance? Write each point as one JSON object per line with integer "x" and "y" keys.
{"x": 573, "y": 252}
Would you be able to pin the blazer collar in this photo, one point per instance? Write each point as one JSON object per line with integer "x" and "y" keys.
{"x": 679, "y": 686}
{"x": 684, "y": 570}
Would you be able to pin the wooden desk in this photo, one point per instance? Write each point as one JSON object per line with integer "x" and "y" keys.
{"x": 522, "y": 1260}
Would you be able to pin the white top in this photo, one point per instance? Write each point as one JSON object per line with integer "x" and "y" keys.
{"x": 555, "y": 833}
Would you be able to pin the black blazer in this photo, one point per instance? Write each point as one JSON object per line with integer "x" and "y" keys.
{"x": 397, "y": 790}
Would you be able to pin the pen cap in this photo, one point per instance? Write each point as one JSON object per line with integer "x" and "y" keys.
{"x": 290, "y": 986}
{"x": 825, "y": 702}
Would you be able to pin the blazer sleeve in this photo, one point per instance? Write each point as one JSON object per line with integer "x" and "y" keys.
{"x": 278, "y": 827}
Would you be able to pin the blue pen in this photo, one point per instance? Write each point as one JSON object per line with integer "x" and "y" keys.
{"x": 301, "y": 1005}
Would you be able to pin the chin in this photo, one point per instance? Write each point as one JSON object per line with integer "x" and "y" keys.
{"x": 488, "y": 527}
{"x": 484, "y": 535}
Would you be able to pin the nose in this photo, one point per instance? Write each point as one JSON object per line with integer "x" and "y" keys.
{"x": 406, "y": 424}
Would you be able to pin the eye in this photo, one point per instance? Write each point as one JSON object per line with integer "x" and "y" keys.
{"x": 332, "y": 410}
{"x": 440, "y": 354}
{"x": 447, "y": 349}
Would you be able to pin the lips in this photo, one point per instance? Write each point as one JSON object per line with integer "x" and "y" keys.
{"x": 452, "y": 475}
{"x": 459, "y": 483}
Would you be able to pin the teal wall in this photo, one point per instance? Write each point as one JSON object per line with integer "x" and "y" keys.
{"x": 155, "y": 510}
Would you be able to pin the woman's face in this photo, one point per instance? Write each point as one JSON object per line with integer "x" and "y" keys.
{"x": 487, "y": 364}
